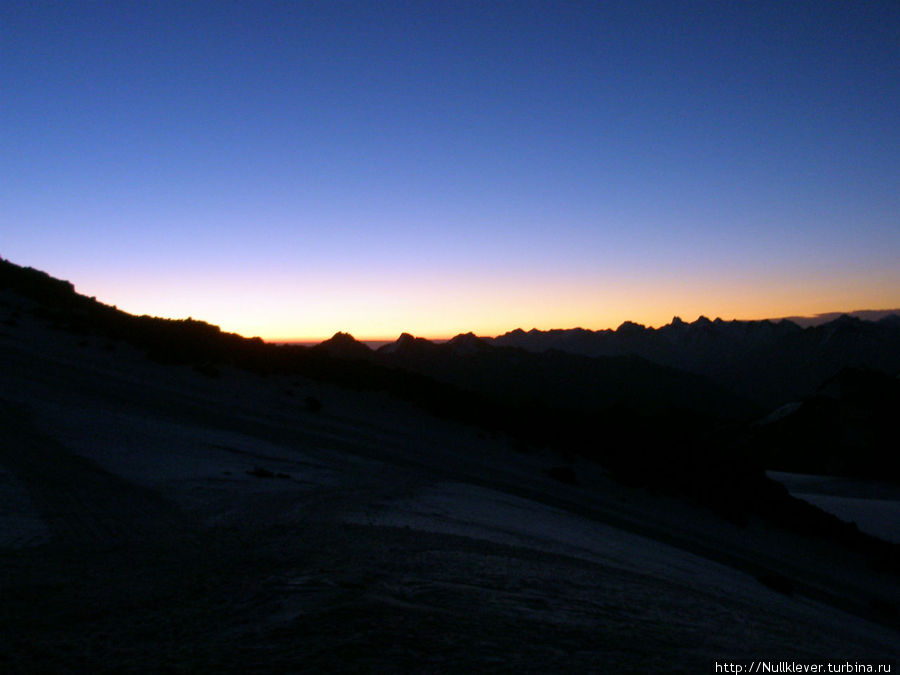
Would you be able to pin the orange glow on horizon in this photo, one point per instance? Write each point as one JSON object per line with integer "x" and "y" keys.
{"x": 438, "y": 309}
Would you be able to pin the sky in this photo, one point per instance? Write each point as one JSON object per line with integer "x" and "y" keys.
{"x": 292, "y": 169}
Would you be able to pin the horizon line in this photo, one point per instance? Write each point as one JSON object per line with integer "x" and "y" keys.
{"x": 822, "y": 317}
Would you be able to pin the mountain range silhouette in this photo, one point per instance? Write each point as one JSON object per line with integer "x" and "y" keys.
{"x": 637, "y": 394}
{"x": 766, "y": 362}
{"x": 693, "y": 410}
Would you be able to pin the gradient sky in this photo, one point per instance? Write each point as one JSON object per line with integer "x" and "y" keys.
{"x": 290, "y": 169}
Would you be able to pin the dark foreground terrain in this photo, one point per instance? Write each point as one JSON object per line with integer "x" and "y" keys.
{"x": 185, "y": 517}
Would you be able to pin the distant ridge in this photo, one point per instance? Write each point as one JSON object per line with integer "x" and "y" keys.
{"x": 769, "y": 361}
{"x": 468, "y": 376}
{"x": 345, "y": 346}
{"x": 865, "y": 314}
{"x": 707, "y": 365}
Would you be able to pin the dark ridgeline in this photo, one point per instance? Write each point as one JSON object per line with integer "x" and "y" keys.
{"x": 685, "y": 409}
{"x": 770, "y": 362}
{"x": 558, "y": 379}
{"x": 864, "y": 314}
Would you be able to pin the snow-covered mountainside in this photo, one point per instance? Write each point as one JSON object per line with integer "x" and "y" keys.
{"x": 197, "y": 518}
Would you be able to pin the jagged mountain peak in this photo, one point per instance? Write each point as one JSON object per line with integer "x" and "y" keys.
{"x": 468, "y": 343}
{"x": 344, "y": 345}
{"x": 405, "y": 343}
{"x": 342, "y": 338}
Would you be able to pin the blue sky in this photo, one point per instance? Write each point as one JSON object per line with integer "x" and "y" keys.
{"x": 291, "y": 169}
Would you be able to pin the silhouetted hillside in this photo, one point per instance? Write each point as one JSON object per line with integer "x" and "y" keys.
{"x": 649, "y": 424}
{"x": 770, "y": 362}
{"x": 561, "y": 380}
{"x": 864, "y": 314}
{"x": 344, "y": 346}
